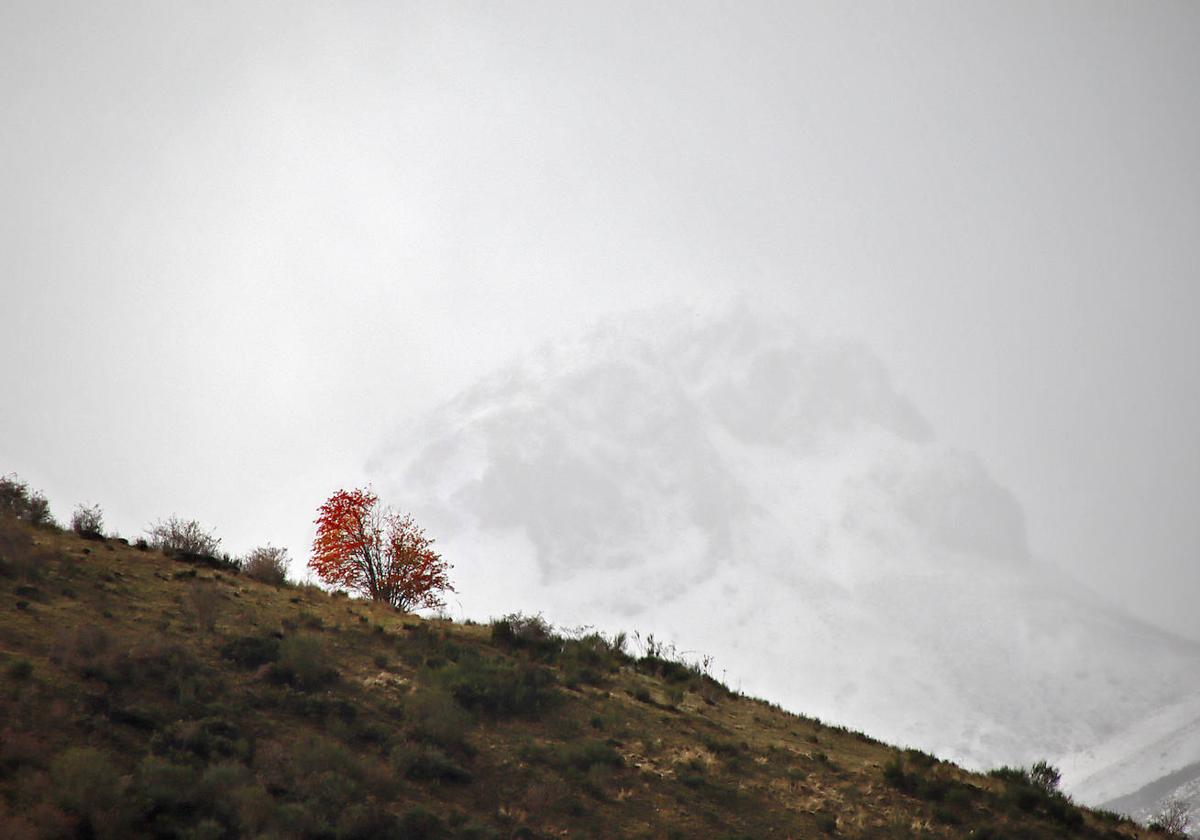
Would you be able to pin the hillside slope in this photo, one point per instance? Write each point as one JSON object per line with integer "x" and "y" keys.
{"x": 145, "y": 695}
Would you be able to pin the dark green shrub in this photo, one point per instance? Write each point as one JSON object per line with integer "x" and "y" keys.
{"x": 87, "y": 784}
{"x": 368, "y": 821}
{"x": 169, "y": 792}
{"x": 296, "y": 819}
{"x": 526, "y": 632}
{"x": 206, "y": 603}
{"x": 304, "y": 664}
{"x": 915, "y": 782}
{"x": 500, "y": 688}
{"x": 18, "y": 501}
{"x": 722, "y": 747}
{"x": 1023, "y": 793}
{"x": 585, "y": 755}
{"x": 251, "y": 651}
{"x": 1045, "y": 776}
{"x": 88, "y": 521}
{"x": 429, "y": 764}
{"x": 419, "y": 823}
{"x": 201, "y": 741}
{"x": 896, "y": 776}
{"x": 20, "y": 670}
{"x": 946, "y": 816}
{"x": 1011, "y": 774}
{"x": 668, "y": 669}
{"x": 434, "y": 718}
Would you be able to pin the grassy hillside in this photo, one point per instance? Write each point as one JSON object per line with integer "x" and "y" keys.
{"x": 147, "y": 695}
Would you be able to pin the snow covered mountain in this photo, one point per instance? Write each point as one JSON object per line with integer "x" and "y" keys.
{"x": 774, "y": 503}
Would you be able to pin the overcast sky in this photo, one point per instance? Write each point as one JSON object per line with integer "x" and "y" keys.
{"x": 240, "y": 242}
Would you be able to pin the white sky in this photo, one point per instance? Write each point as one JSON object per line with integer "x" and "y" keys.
{"x": 239, "y": 242}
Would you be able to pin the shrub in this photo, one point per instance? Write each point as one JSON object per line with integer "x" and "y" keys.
{"x": 418, "y": 823}
{"x": 500, "y": 688}
{"x": 434, "y": 718}
{"x": 17, "y": 500}
{"x": 206, "y": 602}
{"x": 1035, "y": 791}
{"x": 88, "y": 521}
{"x": 1016, "y": 775}
{"x": 424, "y": 763}
{"x": 303, "y": 663}
{"x": 529, "y": 632}
{"x": 251, "y": 651}
{"x": 583, "y": 756}
{"x": 1045, "y": 776}
{"x": 184, "y": 536}
{"x": 914, "y": 782}
{"x": 200, "y": 741}
{"x": 668, "y": 669}
{"x": 267, "y": 564}
{"x": 170, "y": 790}
{"x": 85, "y": 783}
{"x": 1174, "y": 818}
{"x": 20, "y": 670}
{"x": 368, "y": 821}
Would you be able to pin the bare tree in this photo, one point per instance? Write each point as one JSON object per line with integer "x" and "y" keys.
{"x": 1175, "y": 818}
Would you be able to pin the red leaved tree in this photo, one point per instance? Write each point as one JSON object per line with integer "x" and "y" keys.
{"x": 377, "y": 552}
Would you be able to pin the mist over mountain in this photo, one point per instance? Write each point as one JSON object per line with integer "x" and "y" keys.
{"x": 775, "y": 503}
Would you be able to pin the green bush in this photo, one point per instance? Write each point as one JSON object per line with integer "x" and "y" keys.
{"x": 419, "y": 823}
{"x": 1045, "y": 776}
{"x": 668, "y": 669}
{"x": 434, "y": 718}
{"x": 88, "y": 521}
{"x": 583, "y": 755}
{"x": 200, "y": 742}
{"x": 500, "y": 688}
{"x": 429, "y": 764}
{"x": 1016, "y": 775}
{"x": 915, "y": 782}
{"x": 87, "y": 784}
{"x": 251, "y": 651}
{"x": 18, "y": 501}
{"x": 304, "y": 664}
{"x": 19, "y": 670}
{"x": 368, "y": 821}
{"x": 1035, "y": 795}
{"x": 169, "y": 793}
{"x": 526, "y": 632}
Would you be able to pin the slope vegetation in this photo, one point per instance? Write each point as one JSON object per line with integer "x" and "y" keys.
{"x": 148, "y": 695}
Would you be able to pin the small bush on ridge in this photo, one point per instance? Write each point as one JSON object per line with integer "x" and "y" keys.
{"x": 267, "y": 564}
{"x": 88, "y": 521}
{"x": 184, "y": 536}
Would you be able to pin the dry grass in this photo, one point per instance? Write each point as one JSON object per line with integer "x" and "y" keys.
{"x": 115, "y": 664}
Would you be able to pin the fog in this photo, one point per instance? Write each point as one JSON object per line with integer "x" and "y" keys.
{"x": 774, "y": 505}
{"x": 240, "y": 246}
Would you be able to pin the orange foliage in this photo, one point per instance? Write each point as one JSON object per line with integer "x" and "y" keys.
{"x": 377, "y": 552}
